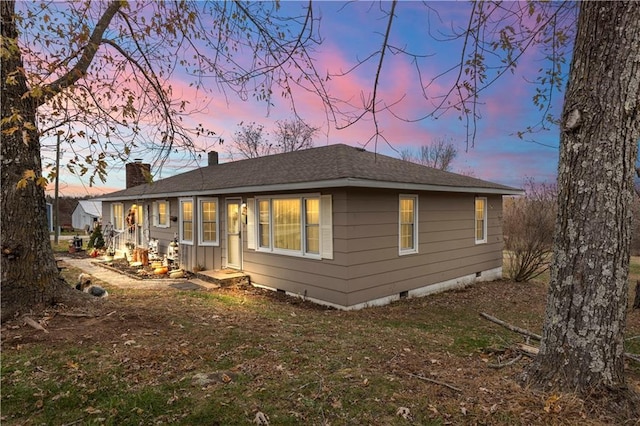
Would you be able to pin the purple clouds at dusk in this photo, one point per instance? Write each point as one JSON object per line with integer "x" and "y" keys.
{"x": 408, "y": 95}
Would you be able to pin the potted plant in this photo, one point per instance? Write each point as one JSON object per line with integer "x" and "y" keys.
{"x": 130, "y": 246}
{"x": 109, "y": 254}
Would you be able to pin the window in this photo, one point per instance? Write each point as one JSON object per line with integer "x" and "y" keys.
{"x": 186, "y": 221}
{"x": 264, "y": 234}
{"x": 481, "y": 220}
{"x": 161, "y": 214}
{"x": 298, "y": 226}
{"x": 408, "y": 224}
{"x": 117, "y": 216}
{"x": 312, "y": 225}
{"x": 286, "y": 223}
{"x": 208, "y": 214}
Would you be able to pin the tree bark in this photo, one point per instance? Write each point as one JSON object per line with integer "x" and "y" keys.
{"x": 29, "y": 271}
{"x": 636, "y": 299}
{"x": 582, "y": 344}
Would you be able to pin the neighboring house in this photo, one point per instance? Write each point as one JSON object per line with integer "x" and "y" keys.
{"x": 86, "y": 214}
{"x": 337, "y": 225}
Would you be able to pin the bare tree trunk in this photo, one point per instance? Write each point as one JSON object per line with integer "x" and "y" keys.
{"x": 582, "y": 347}
{"x": 29, "y": 272}
{"x": 636, "y": 299}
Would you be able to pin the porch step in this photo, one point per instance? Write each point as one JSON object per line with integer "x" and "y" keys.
{"x": 224, "y": 277}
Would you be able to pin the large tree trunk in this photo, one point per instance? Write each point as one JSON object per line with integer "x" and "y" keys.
{"x": 582, "y": 347}
{"x": 29, "y": 272}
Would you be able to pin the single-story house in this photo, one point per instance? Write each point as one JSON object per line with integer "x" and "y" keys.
{"x": 336, "y": 224}
{"x": 86, "y": 214}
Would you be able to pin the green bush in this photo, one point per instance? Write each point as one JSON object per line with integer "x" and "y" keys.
{"x": 96, "y": 240}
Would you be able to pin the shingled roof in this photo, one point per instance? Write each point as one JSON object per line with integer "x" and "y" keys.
{"x": 323, "y": 167}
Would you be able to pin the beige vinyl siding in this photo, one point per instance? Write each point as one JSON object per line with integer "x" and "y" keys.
{"x": 322, "y": 279}
{"x": 447, "y": 248}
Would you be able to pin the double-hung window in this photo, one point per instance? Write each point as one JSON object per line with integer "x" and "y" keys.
{"x": 186, "y": 220}
{"x": 208, "y": 216}
{"x": 294, "y": 225}
{"x": 408, "y": 224}
{"x": 117, "y": 216}
{"x": 161, "y": 214}
{"x": 481, "y": 220}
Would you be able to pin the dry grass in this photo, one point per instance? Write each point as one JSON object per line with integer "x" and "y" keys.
{"x": 158, "y": 357}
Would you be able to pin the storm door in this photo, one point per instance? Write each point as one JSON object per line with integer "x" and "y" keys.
{"x": 234, "y": 239}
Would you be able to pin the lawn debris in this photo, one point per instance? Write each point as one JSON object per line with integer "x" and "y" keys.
{"x": 437, "y": 382}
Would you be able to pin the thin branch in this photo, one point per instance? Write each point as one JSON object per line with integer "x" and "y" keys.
{"x": 437, "y": 382}
{"x": 506, "y": 364}
{"x": 511, "y": 327}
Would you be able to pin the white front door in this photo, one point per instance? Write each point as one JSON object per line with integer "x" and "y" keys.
{"x": 234, "y": 239}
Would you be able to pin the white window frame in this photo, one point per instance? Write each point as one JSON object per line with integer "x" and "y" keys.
{"x": 483, "y": 240}
{"x": 156, "y": 214}
{"x": 117, "y": 226}
{"x": 201, "y": 240}
{"x": 414, "y": 249}
{"x": 324, "y": 227}
{"x": 182, "y": 201}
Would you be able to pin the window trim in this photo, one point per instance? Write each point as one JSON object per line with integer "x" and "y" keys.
{"x": 301, "y": 202}
{"x": 182, "y": 201}
{"x": 414, "y": 249}
{"x": 201, "y": 240}
{"x": 484, "y": 220}
{"x": 156, "y": 214}
{"x": 117, "y": 226}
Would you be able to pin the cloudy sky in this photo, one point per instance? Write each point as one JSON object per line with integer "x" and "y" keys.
{"x": 353, "y": 31}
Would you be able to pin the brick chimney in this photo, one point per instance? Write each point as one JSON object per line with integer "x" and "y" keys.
{"x": 213, "y": 158}
{"x": 138, "y": 173}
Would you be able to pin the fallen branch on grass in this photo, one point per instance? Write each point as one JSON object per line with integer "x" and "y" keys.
{"x": 32, "y": 323}
{"x": 531, "y": 350}
{"x": 506, "y": 364}
{"x": 75, "y": 315}
{"x": 511, "y": 327}
{"x": 437, "y": 382}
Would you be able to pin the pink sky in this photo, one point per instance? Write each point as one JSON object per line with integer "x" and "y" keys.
{"x": 350, "y": 33}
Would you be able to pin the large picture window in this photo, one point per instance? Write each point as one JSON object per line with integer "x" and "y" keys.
{"x": 186, "y": 221}
{"x": 208, "y": 216}
{"x": 408, "y": 224}
{"x": 293, "y": 225}
{"x": 161, "y": 214}
{"x": 481, "y": 220}
{"x": 117, "y": 216}
{"x": 286, "y": 224}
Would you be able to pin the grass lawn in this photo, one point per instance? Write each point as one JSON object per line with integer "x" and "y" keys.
{"x": 219, "y": 358}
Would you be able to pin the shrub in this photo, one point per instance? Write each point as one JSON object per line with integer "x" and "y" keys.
{"x": 96, "y": 240}
{"x": 528, "y": 228}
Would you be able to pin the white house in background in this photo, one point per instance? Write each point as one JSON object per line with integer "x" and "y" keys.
{"x": 86, "y": 214}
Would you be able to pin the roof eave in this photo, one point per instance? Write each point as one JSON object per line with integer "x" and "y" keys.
{"x": 333, "y": 183}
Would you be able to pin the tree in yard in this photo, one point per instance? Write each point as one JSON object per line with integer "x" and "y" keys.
{"x": 439, "y": 154}
{"x": 528, "y": 227}
{"x": 250, "y": 141}
{"x": 101, "y": 73}
{"x": 293, "y": 135}
{"x": 583, "y": 338}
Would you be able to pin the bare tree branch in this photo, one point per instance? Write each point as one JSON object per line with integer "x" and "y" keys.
{"x": 88, "y": 53}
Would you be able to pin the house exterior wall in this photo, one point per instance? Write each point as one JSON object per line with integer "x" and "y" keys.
{"x": 446, "y": 243}
{"x": 80, "y": 219}
{"x": 366, "y": 266}
{"x": 324, "y": 280}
